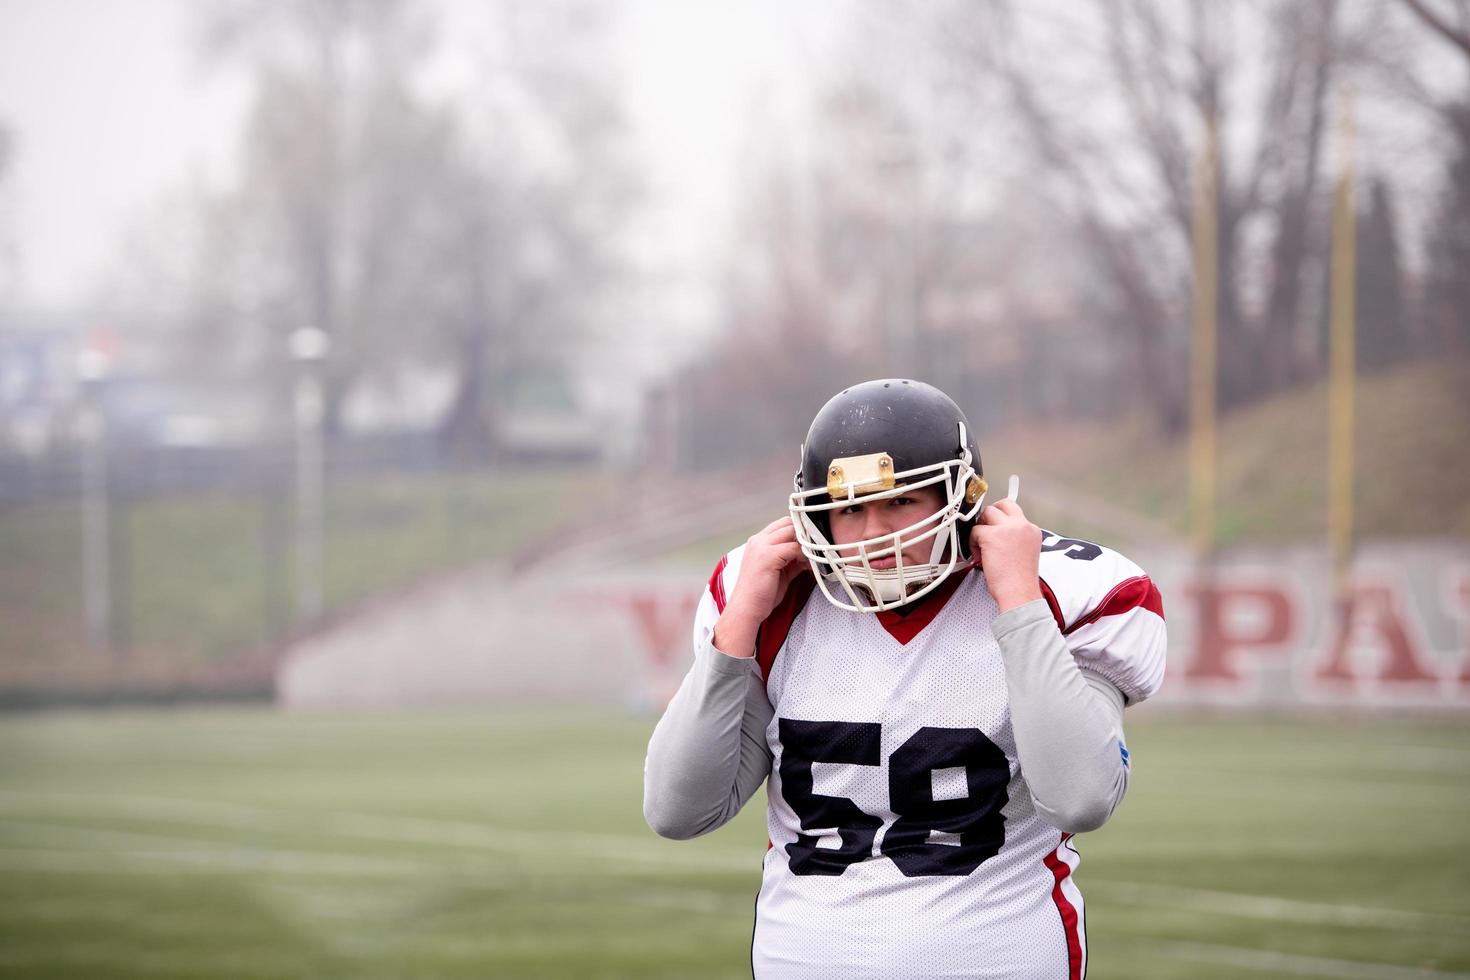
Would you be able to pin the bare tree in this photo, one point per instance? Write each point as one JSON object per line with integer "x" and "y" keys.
{"x": 1446, "y": 287}
{"x": 876, "y": 251}
{"x": 796, "y": 325}
{"x": 1382, "y": 320}
{"x": 538, "y": 195}
{"x": 1117, "y": 150}
{"x": 1453, "y": 25}
{"x": 461, "y": 236}
{"x": 328, "y": 224}
{"x": 1447, "y": 290}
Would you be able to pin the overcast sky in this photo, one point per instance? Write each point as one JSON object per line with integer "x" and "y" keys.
{"x": 107, "y": 113}
{"x": 113, "y": 109}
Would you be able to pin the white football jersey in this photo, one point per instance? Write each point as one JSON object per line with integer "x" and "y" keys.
{"x": 904, "y": 841}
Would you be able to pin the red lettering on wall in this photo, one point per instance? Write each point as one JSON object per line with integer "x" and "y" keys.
{"x": 1373, "y": 614}
{"x": 1232, "y": 619}
{"x": 663, "y": 623}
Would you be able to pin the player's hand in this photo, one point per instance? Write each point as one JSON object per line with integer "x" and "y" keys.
{"x": 772, "y": 560}
{"x": 1009, "y": 547}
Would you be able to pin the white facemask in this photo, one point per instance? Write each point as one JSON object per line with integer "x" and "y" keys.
{"x": 845, "y": 572}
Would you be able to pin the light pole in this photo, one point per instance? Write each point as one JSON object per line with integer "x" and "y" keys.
{"x": 309, "y": 346}
{"x": 92, "y": 369}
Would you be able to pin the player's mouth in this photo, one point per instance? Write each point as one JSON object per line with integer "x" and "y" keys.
{"x": 888, "y": 562}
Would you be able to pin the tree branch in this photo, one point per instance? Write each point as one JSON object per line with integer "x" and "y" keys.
{"x": 1146, "y": 109}
{"x": 1460, "y": 39}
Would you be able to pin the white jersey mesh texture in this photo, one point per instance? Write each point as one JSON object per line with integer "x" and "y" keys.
{"x": 917, "y": 737}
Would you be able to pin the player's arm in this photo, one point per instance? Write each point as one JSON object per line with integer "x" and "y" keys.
{"x": 708, "y": 754}
{"x": 1067, "y": 721}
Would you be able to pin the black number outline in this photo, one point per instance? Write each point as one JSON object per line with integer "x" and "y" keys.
{"x": 1074, "y": 548}
{"x": 806, "y": 742}
{"x": 977, "y": 819}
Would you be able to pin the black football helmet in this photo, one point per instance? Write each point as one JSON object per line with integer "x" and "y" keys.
{"x": 874, "y": 441}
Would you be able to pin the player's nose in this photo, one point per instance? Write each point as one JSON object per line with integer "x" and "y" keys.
{"x": 875, "y": 522}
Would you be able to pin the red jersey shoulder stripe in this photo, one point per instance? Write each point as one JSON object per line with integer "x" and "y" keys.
{"x": 717, "y": 583}
{"x": 1051, "y": 601}
{"x": 1131, "y": 593}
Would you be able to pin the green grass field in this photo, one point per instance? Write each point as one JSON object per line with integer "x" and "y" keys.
{"x": 509, "y": 843}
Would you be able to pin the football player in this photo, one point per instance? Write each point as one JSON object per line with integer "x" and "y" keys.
{"x": 934, "y": 691}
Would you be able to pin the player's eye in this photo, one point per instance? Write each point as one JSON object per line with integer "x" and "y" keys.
{"x": 852, "y": 509}
{"x": 902, "y": 501}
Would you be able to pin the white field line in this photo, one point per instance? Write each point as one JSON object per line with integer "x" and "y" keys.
{"x": 1301, "y": 966}
{"x": 1312, "y": 779}
{"x": 688, "y": 899}
{"x": 64, "y": 908}
{"x": 315, "y": 866}
{"x": 611, "y": 848}
{"x": 21, "y": 834}
{"x": 152, "y": 850}
{"x": 78, "y": 953}
{"x": 651, "y": 856}
{"x": 214, "y": 859}
{"x": 664, "y": 855}
{"x": 54, "y": 861}
{"x": 1384, "y": 757}
{"x": 1329, "y": 790}
{"x": 249, "y": 816}
{"x": 206, "y": 857}
{"x": 1433, "y": 758}
{"x": 1269, "y": 908}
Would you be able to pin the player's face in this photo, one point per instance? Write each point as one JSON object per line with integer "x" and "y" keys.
{"x": 859, "y": 521}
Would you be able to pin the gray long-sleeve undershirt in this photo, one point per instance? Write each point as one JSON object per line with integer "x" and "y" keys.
{"x": 708, "y": 754}
{"x": 1067, "y": 721}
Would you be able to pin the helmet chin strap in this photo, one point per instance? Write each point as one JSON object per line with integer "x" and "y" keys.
{"x": 892, "y": 584}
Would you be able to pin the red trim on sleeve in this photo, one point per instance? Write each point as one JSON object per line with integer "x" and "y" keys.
{"x": 1060, "y": 870}
{"x": 1128, "y": 594}
{"x": 717, "y": 584}
{"x": 1051, "y": 600}
{"x": 772, "y": 634}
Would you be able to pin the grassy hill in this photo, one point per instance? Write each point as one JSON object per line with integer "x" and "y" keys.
{"x": 205, "y": 583}
{"x": 209, "y": 579}
{"x": 1413, "y": 469}
{"x": 1412, "y": 466}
